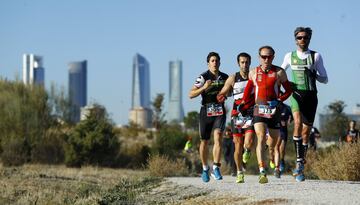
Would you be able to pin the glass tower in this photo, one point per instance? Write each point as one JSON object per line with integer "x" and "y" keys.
{"x": 77, "y": 87}
{"x": 140, "y": 112}
{"x": 175, "y": 109}
{"x": 33, "y": 71}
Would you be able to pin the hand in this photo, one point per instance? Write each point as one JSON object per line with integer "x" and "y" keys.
{"x": 220, "y": 98}
{"x": 273, "y": 103}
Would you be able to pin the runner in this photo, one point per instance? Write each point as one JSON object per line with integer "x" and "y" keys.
{"x": 352, "y": 134}
{"x": 242, "y": 133}
{"x": 266, "y": 80}
{"x": 212, "y": 114}
{"x": 306, "y": 67}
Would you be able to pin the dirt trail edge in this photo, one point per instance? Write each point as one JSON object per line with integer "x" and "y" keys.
{"x": 189, "y": 190}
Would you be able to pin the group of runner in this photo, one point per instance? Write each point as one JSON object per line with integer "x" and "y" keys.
{"x": 258, "y": 106}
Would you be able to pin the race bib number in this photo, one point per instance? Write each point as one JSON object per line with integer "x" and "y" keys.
{"x": 214, "y": 109}
{"x": 264, "y": 111}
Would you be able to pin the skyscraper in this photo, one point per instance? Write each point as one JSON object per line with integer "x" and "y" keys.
{"x": 175, "y": 109}
{"x": 33, "y": 71}
{"x": 140, "y": 112}
{"x": 77, "y": 87}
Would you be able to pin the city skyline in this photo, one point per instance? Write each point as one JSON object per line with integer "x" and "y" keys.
{"x": 108, "y": 35}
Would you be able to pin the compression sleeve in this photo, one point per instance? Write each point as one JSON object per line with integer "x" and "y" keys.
{"x": 288, "y": 91}
{"x": 322, "y": 76}
{"x": 248, "y": 91}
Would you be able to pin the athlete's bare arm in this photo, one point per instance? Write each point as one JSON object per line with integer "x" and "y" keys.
{"x": 196, "y": 91}
{"x": 229, "y": 83}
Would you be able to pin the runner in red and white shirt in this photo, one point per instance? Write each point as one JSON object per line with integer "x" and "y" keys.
{"x": 266, "y": 80}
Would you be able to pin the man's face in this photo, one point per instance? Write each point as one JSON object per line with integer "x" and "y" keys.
{"x": 244, "y": 64}
{"x": 214, "y": 63}
{"x": 266, "y": 57}
{"x": 302, "y": 40}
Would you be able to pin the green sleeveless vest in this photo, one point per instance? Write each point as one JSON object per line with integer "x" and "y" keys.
{"x": 302, "y": 76}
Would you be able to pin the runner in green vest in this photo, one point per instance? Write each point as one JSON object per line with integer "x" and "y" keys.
{"x": 306, "y": 68}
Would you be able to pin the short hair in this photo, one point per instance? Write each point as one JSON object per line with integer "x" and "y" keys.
{"x": 307, "y": 30}
{"x": 212, "y": 54}
{"x": 243, "y": 54}
{"x": 267, "y": 47}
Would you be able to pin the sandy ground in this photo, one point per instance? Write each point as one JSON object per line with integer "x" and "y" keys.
{"x": 278, "y": 191}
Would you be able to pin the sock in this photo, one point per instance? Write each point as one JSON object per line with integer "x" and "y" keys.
{"x": 239, "y": 172}
{"x": 299, "y": 148}
{"x": 306, "y": 146}
{"x": 205, "y": 167}
{"x": 261, "y": 169}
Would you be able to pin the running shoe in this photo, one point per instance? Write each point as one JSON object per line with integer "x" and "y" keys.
{"x": 272, "y": 164}
{"x": 282, "y": 166}
{"x": 277, "y": 173}
{"x": 246, "y": 156}
{"x": 262, "y": 178}
{"x": 240, "y": 178}
{"x": 216, "y": 174}
{"x": 205, "y": 175}
{"x": 299, "y": 168}
{"x": 300, "y": 177}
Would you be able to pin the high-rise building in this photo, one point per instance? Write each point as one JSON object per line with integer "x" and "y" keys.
{"x": 175, "y": 109}
{"x": 77, "y": 87}
{"x": 33, "y": 70}
{"x": 140, "y": 112}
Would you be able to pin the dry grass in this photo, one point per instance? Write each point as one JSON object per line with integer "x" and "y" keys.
{"x": 162, "y": 166}
{"x": 339, "y": 163}
{"x": 41, "y": 184}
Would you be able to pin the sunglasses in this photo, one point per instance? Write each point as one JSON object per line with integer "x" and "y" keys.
{"x": 302, "y": 37}
{"x": 266, "y": 57}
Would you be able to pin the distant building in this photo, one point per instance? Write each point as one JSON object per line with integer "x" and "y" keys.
{"x": 77, "y": 87}
{"x": 140, "y": 112}
{"x": 33, "y": 70}
{"x": 86, "y": 111}
{"x": 175, "y": 109}
{"x": 323, "y": 118}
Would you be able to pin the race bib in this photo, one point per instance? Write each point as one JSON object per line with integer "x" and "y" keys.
{"x": 242, "y": 122}
{"x": 214, "y": 109}
{"x": 264, "y": 111}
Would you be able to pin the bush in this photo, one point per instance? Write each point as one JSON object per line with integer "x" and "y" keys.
{"x": 170, "y": 141}
{"x": 92, "y": 141}
{"x": 50, "y": 149}
{"x": 15, "y": 151}
{"x": 162, "y": 166}
{"x": 339, "y": 163}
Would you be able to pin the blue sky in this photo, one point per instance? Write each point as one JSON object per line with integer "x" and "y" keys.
{"x": 108, "y": 34}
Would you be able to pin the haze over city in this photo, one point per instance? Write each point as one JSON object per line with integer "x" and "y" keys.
{"x": 108, "y": 34}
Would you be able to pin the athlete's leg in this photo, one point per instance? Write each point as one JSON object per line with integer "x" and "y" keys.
{"x": 271, "y": 145}
{"x": 239, "y": 143}
{"x": 260, "y": 130}
{"x": 203, "y": 150}
{"x": 305, "y": 136}
{"x": 217, "y": 146}
{"x": 274, "y": 135}
{"x": 249, "y": 138}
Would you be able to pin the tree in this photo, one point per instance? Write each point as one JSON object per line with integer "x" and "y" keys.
{"x": 93, "y": 141}
{"x": 192, "y": 120}
{"x": 336, "y": 121}
{"x": 158, "y": 118}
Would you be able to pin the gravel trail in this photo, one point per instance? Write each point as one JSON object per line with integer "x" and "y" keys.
{"x": 278, "y": 191}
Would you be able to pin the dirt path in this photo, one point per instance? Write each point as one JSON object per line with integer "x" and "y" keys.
{"x": 189, "y": 190}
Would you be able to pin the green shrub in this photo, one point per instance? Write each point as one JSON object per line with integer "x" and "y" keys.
{"x": 92, "y": 141}
{"x": 15, "y": 151}
{"x": 50, "y": 149}
{"x": 170, "y": 141}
